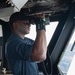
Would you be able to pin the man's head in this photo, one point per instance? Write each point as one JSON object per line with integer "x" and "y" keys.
{"x": 19, "y": 22}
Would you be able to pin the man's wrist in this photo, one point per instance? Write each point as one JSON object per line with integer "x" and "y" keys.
{"x": 40, "y": 24}
{"x": 40, "y": 27}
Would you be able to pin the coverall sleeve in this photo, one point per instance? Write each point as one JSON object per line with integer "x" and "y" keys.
{"x": 24, "y": 50}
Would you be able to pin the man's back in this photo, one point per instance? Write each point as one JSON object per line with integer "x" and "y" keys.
{"x": 18, "y": 53}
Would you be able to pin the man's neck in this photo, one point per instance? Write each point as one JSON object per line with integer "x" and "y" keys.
{"x": 20, "y": 35}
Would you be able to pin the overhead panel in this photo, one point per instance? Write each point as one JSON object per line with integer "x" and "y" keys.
{"x": 19, "y": 3}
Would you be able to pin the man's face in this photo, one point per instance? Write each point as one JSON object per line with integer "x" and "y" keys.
{"x": 23, "y": 26}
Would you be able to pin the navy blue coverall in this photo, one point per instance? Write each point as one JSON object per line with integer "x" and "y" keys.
{"x": 18, "y": 51}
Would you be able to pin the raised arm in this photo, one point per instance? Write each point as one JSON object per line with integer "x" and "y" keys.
{"x": 40, "y": 45}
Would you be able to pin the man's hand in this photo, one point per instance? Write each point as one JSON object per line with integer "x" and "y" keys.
{"x": 39, "y": 21}
{"x": 40, "y": 16}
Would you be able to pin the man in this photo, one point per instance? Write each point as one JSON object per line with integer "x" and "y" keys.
{"x": 22, "y": 53}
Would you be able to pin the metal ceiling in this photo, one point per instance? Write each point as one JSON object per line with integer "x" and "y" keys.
{"x": 48, "y": 6}
{"x": 45, "y": 6}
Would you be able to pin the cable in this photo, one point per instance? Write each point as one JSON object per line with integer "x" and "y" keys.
{"x": 45, "y": 66}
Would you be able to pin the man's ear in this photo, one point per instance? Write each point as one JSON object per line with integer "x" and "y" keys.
{"x": 15, "y": 25}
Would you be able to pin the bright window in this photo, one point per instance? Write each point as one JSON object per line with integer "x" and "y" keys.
{"x": 67, "y": 55}
{"x": 1, "y": 31}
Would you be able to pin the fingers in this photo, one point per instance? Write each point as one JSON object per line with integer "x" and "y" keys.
{"x": 40, "y": 15}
